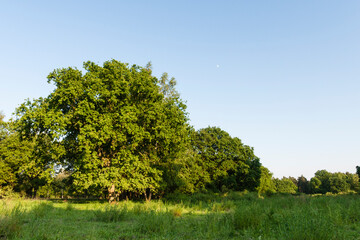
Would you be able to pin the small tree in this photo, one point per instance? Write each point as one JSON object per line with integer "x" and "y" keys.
{"x": 285, "y": 185}
{"x": 61, "y": 183}
{"x": 338, "y": 183}
{"x": 315, "y": 184}
{"x": 324, "y": 177}
{"x": 303, "y": 185}
{"x": 353, "y": 181}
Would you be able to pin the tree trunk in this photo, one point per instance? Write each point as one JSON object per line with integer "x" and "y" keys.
{"x": 112, "y": 196}
{"x": 147, "y": 196}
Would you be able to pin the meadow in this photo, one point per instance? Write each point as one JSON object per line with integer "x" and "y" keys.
{"x": 201, "y": 216}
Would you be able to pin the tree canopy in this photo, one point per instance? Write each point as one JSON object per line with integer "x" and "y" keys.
{"x": 111, "y": 126}
{"x": 227, "y": 161}
{"x": 116, "y": 130}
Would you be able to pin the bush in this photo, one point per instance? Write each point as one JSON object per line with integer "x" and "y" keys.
{"x": 8, "y": 193}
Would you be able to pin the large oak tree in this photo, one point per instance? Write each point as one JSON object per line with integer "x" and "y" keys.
{"x": 116, "y": 127}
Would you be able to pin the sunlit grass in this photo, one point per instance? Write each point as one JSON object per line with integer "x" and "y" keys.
{"x": 233, "y": 216}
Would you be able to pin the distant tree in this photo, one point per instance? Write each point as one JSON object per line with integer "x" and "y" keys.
{"x": 324, "y": 177}
{"x": 62, "y": 183}
{"x": 266, "y": 183}
{"x": 285, "y": 185}
{"x": 303, "y": 184}
{"x": 353, "y": 181}
{"x": 229, "y": 163}
{"x": 338, "y": 183}
{"x": 315, "y": 184}
{"x": 294, "y": 180}
{"x": 358, "y": 171}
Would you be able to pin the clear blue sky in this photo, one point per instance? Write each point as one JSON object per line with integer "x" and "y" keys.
{"x": 283, "y": 76}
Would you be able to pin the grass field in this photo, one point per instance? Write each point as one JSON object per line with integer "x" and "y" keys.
{"x": 233, "y": 216}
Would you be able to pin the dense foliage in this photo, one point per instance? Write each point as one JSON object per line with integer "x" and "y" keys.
{"x": 228, "y": 163}
{"x": 116, "y": 131}
{"x": 21, "y": 167}
{"x": 115, "y": 128}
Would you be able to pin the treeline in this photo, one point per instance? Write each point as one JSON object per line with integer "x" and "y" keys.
{"x": 323, "y": 182}
{"x": 116, "y": 131}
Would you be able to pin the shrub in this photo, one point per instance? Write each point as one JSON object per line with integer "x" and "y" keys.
{"x": 8, "y": 193}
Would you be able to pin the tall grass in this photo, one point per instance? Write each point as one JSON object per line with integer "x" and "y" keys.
{"x": 10, "y": 219}
{"x": 110, "y": 214}
{"x": 230, "y": 216}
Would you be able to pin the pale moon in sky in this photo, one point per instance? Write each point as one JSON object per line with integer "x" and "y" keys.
{"x": 217, "y": 66}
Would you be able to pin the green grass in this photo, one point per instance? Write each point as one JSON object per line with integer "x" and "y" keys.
{"x": 234, "y": 216}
